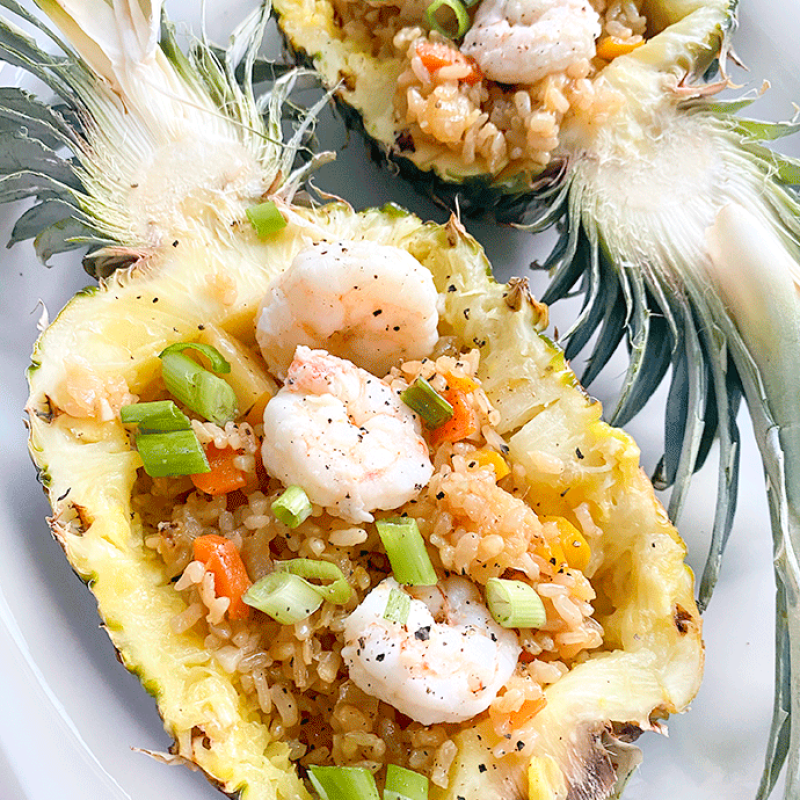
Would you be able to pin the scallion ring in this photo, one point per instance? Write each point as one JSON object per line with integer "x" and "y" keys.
{"x": 514, "y": 604}
{"x": 196, "y": 387}
{"x": 459, "y": 12}
{"x": 404, "y": 784}
{"x": 424, "y": 400}
{"x": 397, "y": 607}
{"x": 171, "y": 453}
{"x": 216, "y": 359}
{"x": 336, "y": 590}
{"x": 266, "y": 218}
{"x": 292, "y": 507}
{"x": 406, "y": 550}
{"x": 343, "y": 783}
{"x": 157, "y": 416}
{"x": 285, "y": 597}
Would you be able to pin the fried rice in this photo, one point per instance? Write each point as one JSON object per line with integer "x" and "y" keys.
{"x": 478, "y": 520}
{"x": 453, "y": 110}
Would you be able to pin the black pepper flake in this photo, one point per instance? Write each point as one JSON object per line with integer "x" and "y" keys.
{"x": 155, "y": 299}
{"x": 578, "y": 452}
{"x": 520, "y": 745}
{"x": 466, "y": 313}
{"x": 377, "y": 312}
{"x": 380, "y": 656}
{"x": 175, "y": 243}
{"x": 481, "y": 767}
{"x": 440, "y": 495}
{"x": 423, "y": 634}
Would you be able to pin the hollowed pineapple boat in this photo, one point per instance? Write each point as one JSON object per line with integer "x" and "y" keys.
{"x": 526, "y": 483}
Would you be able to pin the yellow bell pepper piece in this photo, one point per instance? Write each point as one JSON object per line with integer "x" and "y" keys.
{"x": 493, "y": 459}
{"x": 571, "y": 548}
{"x": 611, "y": 47}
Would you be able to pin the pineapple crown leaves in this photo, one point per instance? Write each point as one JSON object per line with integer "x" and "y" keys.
{"x": 708, "y": 316}
{"x": 664, "y": 315}
{"x": 126, "y": 91}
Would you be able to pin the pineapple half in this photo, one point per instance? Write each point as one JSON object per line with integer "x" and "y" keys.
{"x": 651, "y": 660}
{"x": 142, "y": 192}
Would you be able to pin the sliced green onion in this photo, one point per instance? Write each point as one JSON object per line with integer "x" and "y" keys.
{"x": 292, "y": 507}
{"x": 266, "y": 218}
{"x": 514, "y": 604}
{"x": 155, "y": 417}
{"x": 218, "y": 362}
{"x": 343, "y": 783}
{"x": 285, "y": 597}
{"x": 404, "y": 784}
{"x": 337, "y": 591}
{"x": 405, "y": 548}
{"x": 171, "y": 453}
{"x": 461, "y": 18}
{"x": 196, "y": 387}
{"x": 422, "y": 398}
{"x": 397, "y": 607}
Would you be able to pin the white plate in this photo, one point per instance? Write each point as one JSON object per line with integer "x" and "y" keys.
{"x": 70, "y": 714}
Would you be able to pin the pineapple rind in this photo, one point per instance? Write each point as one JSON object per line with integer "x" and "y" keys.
{"x": 120, "y": 329}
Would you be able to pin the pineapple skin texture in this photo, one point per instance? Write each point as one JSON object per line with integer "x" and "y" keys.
{"x": 652, "y": 663}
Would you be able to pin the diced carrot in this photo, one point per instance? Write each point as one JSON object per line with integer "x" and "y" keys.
{"x": 435, "y": 55}
{"x": 224, "y": 477}
{"x": 530, "y": 708}
{"x": 506, "y": 722}
{"x": 222, "y": 560}
{"x": 462, "y": 424}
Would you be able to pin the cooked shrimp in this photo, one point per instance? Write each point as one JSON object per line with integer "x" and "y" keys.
{"x": 430, "y": 671}
{"x": 521, "y": 41}
{"x": 345, "y": 437}
{"x": 372, "y": 304}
